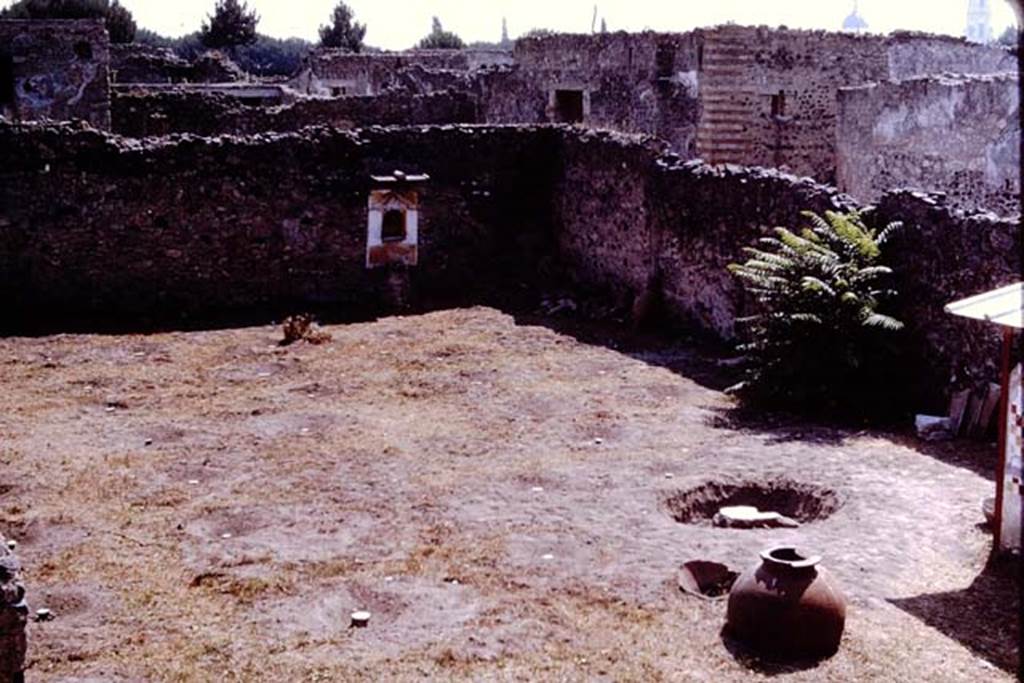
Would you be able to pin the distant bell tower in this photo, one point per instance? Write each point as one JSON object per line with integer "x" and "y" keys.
{"x": 855, "y": 22}
{"x": 979, "y": 21}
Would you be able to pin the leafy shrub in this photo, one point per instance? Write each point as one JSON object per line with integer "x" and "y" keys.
{"x": 818, "y": 340}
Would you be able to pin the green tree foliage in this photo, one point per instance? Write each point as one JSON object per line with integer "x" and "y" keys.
{"x": 439, "y": 39}
{"x": 818, "y": 340}
{"x": 266, "y": 57}
{"x": 231, "y": 24}
{"x": 119, "y": 21}
{"x": 342, "y": 32}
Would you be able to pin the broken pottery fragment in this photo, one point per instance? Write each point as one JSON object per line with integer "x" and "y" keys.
{"x": 749, "y": 517}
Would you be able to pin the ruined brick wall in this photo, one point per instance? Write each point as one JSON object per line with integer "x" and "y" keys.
{"x": 681, "y": 223}
{"x": 139, "y": 63}
{"x": 769, "y": 95}
{"x": 94, "y": 223}
{"x": 91, "y": 222}
{"x": 940, "y": 256}
{"x": 604, "y": 211}
{"x": 955, "y": 134}
{"x": 136, "y": 63}
{"x": 59, "y": 71}
{"x": 913, "y": 54}
{"x": 634, "y": 83}
{"x": 141, "y": 114}
{"x": 370, "y": 73}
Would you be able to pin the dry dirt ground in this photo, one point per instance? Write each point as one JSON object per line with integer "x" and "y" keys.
{"x": 211, "y": 506}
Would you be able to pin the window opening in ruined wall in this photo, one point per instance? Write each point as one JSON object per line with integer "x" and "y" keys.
{"x": 779, "y": 104}
{"x": 6, "y": 81}
{"x": 569, "y": 106}
{"x": 83, "y": 50}
{"x": 665, "y": 60}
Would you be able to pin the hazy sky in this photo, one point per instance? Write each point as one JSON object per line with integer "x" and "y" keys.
{"x": 398, "y": 24}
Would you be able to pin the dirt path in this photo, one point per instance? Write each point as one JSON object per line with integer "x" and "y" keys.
{"x": 210, "y": 505}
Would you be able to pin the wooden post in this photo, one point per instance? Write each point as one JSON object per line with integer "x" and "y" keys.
{"x": 1004, "y": 402}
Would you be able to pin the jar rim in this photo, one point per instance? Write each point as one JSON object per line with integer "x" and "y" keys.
{"x": 789, "y": 556}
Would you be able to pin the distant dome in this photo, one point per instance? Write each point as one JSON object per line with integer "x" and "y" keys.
{"x": 854, "y": 22}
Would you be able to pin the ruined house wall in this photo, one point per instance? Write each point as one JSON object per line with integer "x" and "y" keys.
{"x": 912, "y": 55}
{"x": 942, "y": 255}
{"x": 683, "y": 222}
{"x": 100, "y": 224}
{"x": 769, "y": 94}
{"x": 370, "y": 73}
{"x": 92, "y": 222}
{"x": 634, "y": 83}
{"x": 139, "y": 63}
{"x": 141, "y": 114}
{"x": 60, "y": 71}
{"x": 954, "y": 134}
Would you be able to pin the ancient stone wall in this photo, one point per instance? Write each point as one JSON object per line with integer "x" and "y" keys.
{"x": 769, "y": 94}
{"x": 139, "y": 63}
{"x": 98, "y": 224}
{"x": 940, "y": 256}
{"x": 682, "y": 223}
{"x": 55, "y": 70}
{"x": 141, "y": 114}
{"x": 136, "y": 63}
{"x": 634, "y": 83}
{"x": 913, "y": 54}
{"x": 955, "y": 134}
{"x": 337, "y": 72}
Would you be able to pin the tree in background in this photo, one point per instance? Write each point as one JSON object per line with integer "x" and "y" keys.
{"x": 343, "y": 33}
{"x": 119, "y": 21}
{"x": 1008, "y": 38}
{"x": 231, "y": 24}
{"x": 439, "y": 39}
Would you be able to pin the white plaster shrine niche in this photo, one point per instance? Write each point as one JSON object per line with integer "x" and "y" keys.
{"x": 392, "y": 231}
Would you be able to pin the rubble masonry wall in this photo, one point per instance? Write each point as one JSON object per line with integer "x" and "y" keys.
{"x": 955, "y": 134}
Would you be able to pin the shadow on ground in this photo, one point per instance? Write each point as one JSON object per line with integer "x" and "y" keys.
{"x": 984, "y": 617}
{"x": 756, "y": 662}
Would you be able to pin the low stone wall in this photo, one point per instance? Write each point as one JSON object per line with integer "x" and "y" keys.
{"x": 630, "y": 215}
{"x": 96, "y": 223}
{"x": 141, "y": 114}
{"x": 956, "y": 134}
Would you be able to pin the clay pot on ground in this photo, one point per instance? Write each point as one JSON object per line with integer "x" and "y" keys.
{"x": 787, "y": 607}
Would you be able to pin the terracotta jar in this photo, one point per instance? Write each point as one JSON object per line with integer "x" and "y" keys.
{"x": 787, "y": 607}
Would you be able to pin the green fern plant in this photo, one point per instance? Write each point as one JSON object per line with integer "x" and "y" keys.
{"x": 817, "y": 338}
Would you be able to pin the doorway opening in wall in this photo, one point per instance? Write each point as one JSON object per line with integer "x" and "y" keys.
{"x": 393, "y": 227}
{"x": 569, "y": 106}
{"x": 6, "y": 81}
{"x": 779, "y": 104}
{"x": 665, "y": 60}
{"x": 83, "y": 50}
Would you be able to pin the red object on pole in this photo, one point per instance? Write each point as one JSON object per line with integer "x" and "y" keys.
{"x": 1004, "y": 402}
